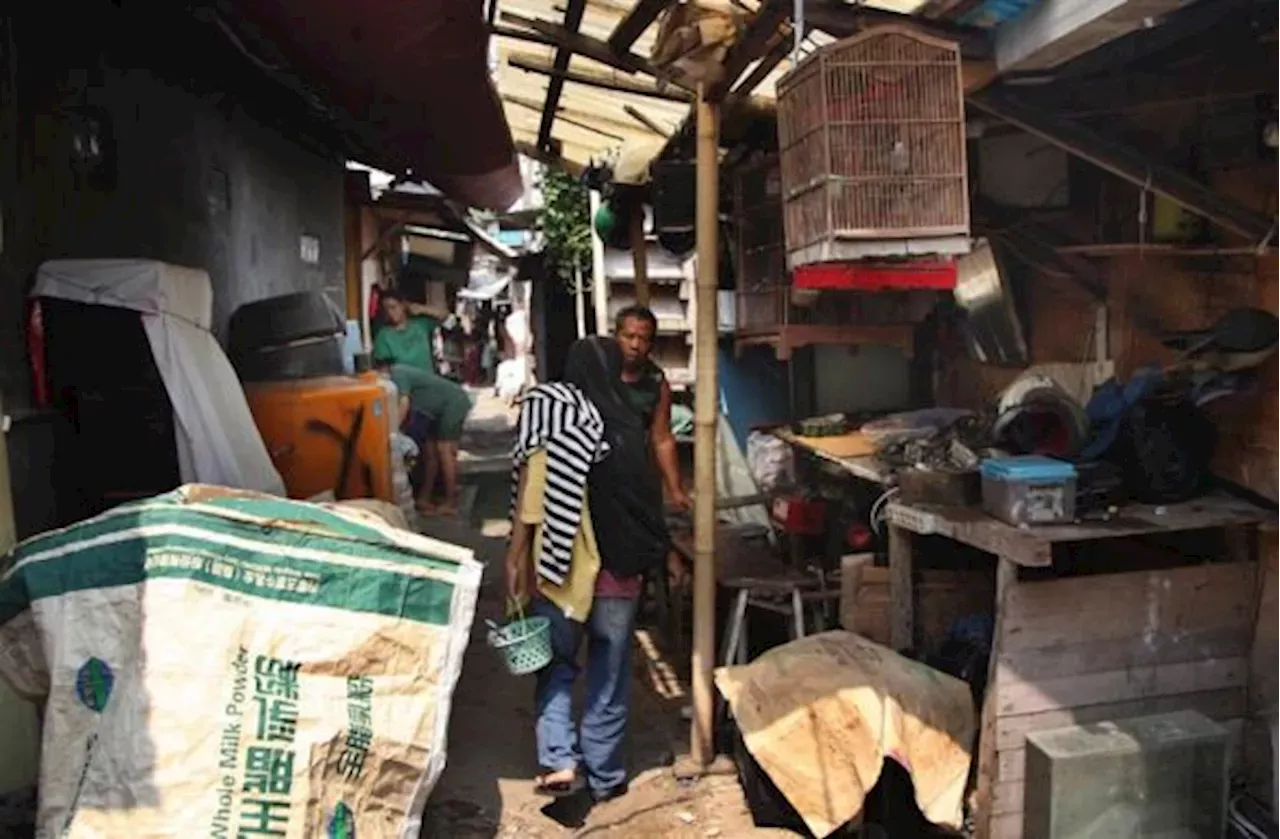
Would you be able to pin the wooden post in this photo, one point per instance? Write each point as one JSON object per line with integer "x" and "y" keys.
{"x": 640, "y": 256}
{"x": 902, "y": 588}
{"x": 599, "y": 280}
{"x": 706, "y": 409}
{"x": 353, "y": 244}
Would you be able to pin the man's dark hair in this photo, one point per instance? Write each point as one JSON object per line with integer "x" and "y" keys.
{"x": 638, "y": 312}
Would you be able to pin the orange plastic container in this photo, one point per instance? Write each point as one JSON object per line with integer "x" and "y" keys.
{"x": 328, "y": 434}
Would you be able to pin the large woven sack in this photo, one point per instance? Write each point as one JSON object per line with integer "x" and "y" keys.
{"x": 220, "y": 663}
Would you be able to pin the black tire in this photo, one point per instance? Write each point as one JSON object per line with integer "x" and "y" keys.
{"x": 306, "y": 359}
{"x": 276, "y": 321}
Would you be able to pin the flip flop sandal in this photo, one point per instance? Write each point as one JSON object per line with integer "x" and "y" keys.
{"x": 559, "y": 789}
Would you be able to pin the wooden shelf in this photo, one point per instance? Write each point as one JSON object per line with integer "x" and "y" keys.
{"x": 785, "y": 338}
{"x": 1032, "y": 546}
{"x": 1158, "y": 249}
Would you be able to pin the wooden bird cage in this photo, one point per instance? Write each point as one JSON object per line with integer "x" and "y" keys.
{"x": 761, "y": 262}
{"x": 872, "y": 145}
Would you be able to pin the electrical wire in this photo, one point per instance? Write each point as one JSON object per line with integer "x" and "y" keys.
{"x": 881, "y": 506}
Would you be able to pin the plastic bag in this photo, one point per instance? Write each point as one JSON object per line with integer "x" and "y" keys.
{"x": 770, "y": 460}
{"x": 911, "y": 425}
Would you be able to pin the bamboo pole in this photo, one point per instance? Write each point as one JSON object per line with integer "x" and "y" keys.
{"x": 706, "y": 408}
{"x": 639, "y": 255}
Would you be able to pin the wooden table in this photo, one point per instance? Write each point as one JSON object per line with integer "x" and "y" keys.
{"x": 1076, "y": 649}
{"x": 868, "y": 467}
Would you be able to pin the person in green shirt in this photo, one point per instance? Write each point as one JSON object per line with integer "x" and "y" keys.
{"x": 433, "y": 410}
{"x": 409, "y": 335}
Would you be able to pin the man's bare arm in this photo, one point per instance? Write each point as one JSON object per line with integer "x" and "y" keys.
{"x": 664, "y": 448}
{"x": 437, "y": 312}
{"x": 519, "y": 559}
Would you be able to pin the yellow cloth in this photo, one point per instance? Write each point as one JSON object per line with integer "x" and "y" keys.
{"x": 574, "y": 597}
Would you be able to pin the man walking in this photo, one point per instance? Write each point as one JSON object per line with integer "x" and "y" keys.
{"x": 618, "y": 534}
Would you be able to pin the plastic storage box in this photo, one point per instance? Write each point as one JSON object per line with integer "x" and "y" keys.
{"x": 1157, "y": 777}
{"x": 1029, "y": 490}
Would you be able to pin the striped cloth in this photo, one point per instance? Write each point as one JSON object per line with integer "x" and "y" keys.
{"x": 559, "y": 417}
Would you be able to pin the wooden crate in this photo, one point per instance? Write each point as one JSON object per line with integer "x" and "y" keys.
{"x": 1093, "y": 648}
{"x": 872, "y": 145}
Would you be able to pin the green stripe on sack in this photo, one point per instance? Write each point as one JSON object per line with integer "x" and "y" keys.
{"x": 284, "y": 579}
{"x": 279, "y": 538}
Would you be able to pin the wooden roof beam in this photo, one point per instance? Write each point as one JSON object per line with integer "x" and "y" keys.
{"x": 572, "y": 20}
{"x": 532, "y": 152}
{"x": 1124, "y": 162}
{"x": 537, "y": 107}
{"x": 604, "y": 81}
{"x": 575, "y": 42}
{"x": 596, "y": 50}
{"x": 526, "y": 35}
{"x": 644, "y": 119}
{"x": 631, "y": 27}
{"x": 755, "y": 40}
{"x": 780, "y": 49}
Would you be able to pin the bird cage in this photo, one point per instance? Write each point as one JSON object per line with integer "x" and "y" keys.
{"x": 872, "y": 145}
{"x": 761, "y": 263}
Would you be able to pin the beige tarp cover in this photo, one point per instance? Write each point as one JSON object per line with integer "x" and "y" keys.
{"x": 820, "y": 714}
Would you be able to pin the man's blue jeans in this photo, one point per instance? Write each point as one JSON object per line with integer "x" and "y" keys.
{"x": 598, "y": 746}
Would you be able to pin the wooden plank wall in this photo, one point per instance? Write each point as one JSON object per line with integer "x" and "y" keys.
{"x": 1174, "y": 292}
{"x": 1125, "y": 645}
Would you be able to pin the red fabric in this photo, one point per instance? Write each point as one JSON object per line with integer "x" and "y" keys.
{"x": 608, "y": 585}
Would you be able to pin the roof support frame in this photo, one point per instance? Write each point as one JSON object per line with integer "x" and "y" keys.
{"x": 1124, "y": 162}
{"x": 640, "y": 117}
{"x": 772, "y": 58}
{"x": 602, "y": 81}
{"x": 572, "y": 20}
{"x": 760, "y": 31}
{"x": 631, "y": 27}
{"x": 563, "y": 38}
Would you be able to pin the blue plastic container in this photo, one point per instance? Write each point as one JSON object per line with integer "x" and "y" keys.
{"x": 1029, "y": 490}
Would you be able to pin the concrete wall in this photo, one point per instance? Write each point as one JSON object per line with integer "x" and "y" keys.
{"x": 214, "y": 168}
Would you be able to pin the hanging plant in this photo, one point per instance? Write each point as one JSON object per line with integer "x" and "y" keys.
{"x": 566, "y": 224}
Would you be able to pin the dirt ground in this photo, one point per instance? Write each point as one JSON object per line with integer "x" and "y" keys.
{"x": 486, "y": 790}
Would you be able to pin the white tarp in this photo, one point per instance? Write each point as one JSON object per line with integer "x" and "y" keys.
{"x": 217, "y": 440}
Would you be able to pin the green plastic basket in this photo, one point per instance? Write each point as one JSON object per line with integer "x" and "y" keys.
{"x": 524, "y": 644}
